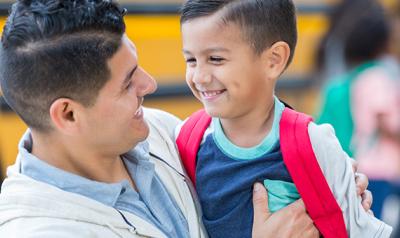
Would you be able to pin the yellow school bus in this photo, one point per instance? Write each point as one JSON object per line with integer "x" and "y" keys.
{"x": 154, "y": 28}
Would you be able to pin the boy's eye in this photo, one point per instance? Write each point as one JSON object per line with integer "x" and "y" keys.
{"x": 190, "y": 60}
{"x": 216, "y": 60}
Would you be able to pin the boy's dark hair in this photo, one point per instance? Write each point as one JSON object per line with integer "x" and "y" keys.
{"x": 263, "y": 22}
{"x": 57, "y": 48}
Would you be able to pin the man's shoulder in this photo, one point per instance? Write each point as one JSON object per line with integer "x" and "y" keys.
{"x": 160, "y": 120}
{"x": 30, "y": 208}
{"x": 162, "y": 127}
{"x": 47, "y": 226}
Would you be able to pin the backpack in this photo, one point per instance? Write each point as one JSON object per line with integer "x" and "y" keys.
{"x": 298, "y": 157}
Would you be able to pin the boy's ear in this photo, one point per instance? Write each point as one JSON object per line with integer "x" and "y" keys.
{"x": 64, "y": 115}
{"x": 276, "y": 58}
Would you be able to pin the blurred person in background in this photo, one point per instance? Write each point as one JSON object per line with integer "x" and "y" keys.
{"x": 362, "y": 103}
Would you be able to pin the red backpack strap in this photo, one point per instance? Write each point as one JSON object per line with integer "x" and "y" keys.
{"x": 189, "y": 139}
{"x": 304, "y": 169}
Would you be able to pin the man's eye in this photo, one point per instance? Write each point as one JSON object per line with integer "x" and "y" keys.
{"x": 129, "y": 85}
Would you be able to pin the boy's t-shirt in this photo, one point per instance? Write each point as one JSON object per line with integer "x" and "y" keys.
{"x": 226, "y": 173}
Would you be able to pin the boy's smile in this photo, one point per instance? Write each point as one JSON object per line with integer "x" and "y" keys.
{"x": 222, "y": 70}
{"x": 211, "y": 94}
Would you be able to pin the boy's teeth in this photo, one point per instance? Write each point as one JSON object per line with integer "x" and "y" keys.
{"x": 211, "y": 94}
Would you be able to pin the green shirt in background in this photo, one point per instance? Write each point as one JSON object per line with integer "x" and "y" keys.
{"x": 336, "y": 105}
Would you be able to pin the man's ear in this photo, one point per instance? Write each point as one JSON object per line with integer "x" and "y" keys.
{"x": 64, "y": 115}
{"x": 276, "y": 58}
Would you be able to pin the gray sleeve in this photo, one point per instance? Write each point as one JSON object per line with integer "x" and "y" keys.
{"x": 337, "y": 169}
{"x": 162, "y": 121}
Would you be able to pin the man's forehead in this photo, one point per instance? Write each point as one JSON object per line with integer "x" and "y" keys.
{"x": 129, "y": 42}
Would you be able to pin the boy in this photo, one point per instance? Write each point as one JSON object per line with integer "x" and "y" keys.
{"x": 235, "y": 52}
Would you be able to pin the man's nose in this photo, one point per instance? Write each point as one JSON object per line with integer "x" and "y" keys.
{"x": 147, "y": 84}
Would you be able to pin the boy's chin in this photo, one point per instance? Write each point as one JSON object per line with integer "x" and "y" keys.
{"x": 213, "y": 112}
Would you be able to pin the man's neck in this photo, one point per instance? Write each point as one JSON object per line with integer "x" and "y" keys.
{"x": 77, "y": 160}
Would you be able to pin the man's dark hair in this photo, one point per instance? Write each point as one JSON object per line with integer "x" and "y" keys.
{"x": 263, "y": 22}
{"x": 57, "y": 48}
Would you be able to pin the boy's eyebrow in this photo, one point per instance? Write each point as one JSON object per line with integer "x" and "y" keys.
{"x": 129, "y": 75}
{"x": 209, "y": 50}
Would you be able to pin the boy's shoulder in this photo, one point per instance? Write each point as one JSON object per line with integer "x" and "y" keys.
{"x": 197, "y": 124}
{"x": 327, "y": 148}
{"x": 321, "y": 136}
{"x": 299, "y": 133}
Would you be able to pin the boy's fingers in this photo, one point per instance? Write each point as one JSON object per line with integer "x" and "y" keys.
{"x": 260, "y": 204}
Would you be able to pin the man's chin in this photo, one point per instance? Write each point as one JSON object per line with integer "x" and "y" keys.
{"x": 143, "y": 134}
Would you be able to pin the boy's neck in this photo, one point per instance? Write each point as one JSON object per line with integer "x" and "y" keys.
{"x": 250, "y": 129}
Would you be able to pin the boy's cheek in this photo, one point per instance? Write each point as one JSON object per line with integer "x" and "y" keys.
{"x": 188, "y": 75}
{"x": 192, "y": 87}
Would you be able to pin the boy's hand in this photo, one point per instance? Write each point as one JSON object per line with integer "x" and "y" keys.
{"x": 291, "y": 221}
{"x": 362, "y": 184}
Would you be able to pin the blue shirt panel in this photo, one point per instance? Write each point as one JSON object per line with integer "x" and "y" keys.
{"x": 225, "y": 186}
{"x": 225, "y": 174}
{"x": 153, "y": 202}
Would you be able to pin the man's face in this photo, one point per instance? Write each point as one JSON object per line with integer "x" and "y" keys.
{"x": 115, "y": 123}
{"x": 222, "y": 70}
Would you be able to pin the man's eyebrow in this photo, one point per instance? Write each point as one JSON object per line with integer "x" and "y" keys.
{"x": 129, "y": 76}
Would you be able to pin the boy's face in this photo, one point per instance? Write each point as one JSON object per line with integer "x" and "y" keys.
{"x": 115, "y": 122}
{"x": 222, "y": 70}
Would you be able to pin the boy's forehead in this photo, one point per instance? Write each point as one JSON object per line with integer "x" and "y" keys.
{"x": 211, "y": 29}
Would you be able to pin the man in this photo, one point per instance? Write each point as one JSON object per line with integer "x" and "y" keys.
{"x": 94, "y": 163}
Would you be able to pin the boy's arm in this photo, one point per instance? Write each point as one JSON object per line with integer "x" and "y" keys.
{"x": 337, "y": 169}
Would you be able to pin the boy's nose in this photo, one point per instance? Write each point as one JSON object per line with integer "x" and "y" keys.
{"x": 201, "y": 77}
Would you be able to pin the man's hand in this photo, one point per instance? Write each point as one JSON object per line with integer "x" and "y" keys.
{"x": 362, "y": 184}
{"x": 291, "y": 221}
